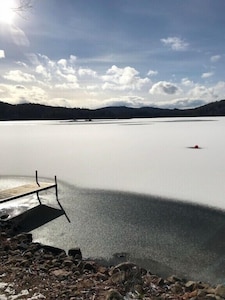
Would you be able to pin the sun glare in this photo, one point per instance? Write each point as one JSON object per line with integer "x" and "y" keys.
{"x": 6, "y": 11}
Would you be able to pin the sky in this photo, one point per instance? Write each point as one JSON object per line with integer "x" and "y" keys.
{"x": 98, "y": 53}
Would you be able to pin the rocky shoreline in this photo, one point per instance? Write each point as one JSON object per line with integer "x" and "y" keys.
{"x": 32, "y": 270}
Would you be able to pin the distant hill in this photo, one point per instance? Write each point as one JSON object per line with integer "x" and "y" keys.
{"x": 42, "y": 112}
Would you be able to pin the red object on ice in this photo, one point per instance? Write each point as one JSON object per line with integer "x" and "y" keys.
{"x": 196, "y": 147}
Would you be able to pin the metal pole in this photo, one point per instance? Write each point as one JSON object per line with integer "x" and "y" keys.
{"x": 36, "y": 173}
{"x": 56, "y": 194}
{"x": 39, "y": 198}
{"x": 56, "y": 189}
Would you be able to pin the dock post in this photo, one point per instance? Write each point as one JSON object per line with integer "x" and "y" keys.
{"x": 36, "y": 174}
{"x": 57, "y": 198}
{"x": 56, "y": 189}
{"x": 38, "y": 198}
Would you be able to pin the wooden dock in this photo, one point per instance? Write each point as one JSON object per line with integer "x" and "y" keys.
{"x": 29, "y": 189}
{"x": 24, "y": 190}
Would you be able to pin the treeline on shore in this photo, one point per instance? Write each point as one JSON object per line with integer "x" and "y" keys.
{"x": 42, "y": 112}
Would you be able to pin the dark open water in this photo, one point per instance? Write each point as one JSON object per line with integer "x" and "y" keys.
{"x": 165, "y": 236}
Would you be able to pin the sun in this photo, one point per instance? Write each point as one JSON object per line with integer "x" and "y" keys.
{"x": 7, "y": 13}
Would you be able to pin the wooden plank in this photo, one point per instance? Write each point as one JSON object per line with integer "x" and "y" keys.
{"x": 24, "y": 190}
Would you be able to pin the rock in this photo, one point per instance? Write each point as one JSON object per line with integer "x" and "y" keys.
{"x": 202, "y": 293}
{"x": 7, "y": 248}
{"x": 101, "y": 276}
{"x": 56, "y": 263}
{"x": 103, "y": 270}
{"x": 173, "y": 279}
{"x": 210, "y": 290}
{"x": 53, "y": 250}
{"x": 14, "y": 252}
{"x": 194, "y": 294}
{"x": 90, "y": 266}
{"x": 131, "y": 270}
{"x": 75, "y": 252}
{"x": 23, "y": 245}
{"x": 139, "y": 289}
{"x": 68, "y": 262}
{"x": 4, "y": 216}
{"x": 160, "y": 281}
{"x": 191, "y": 285}
{"x": 210, "y": 297}
{"x": 114, "y": 295}
{"x": 61, "y": 274}
{"x": 28, "y": 254}
{"x": 118, "y": 277}
{"x": 34, "y": 247}
{"x": 47, "y": 256}
{"x": 25, "y": 263}
{"x": 128, "y": 273}
{"x": 125, "y": 266}
{"x": 176, "y": 288}
{"x": 3, "y": 234}
{"x": 24, "y": 237}
{"x": 220, "y": 290}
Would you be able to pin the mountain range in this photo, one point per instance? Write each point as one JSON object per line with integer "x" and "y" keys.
{"x": 42, "y": 112}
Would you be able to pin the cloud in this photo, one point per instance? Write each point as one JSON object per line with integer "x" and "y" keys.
{"x": 62, "y": 62}
{"x": 215, "y": 58}
{"x": 220, "y": 86}
{"x": 207, "y": 75}
{"x": 186, "y": 82}
{"x": 152, "y": 73}
{"x": 87, "y": 72}
{"x": 164, "y": 88}
{"x": 42, "y": 79}
{"x": 2, "y": 54}
{"x": 33, "y": 94}
{"x": 40, "y": 69}
{"x": 19, "y": 37}
{"x": 3, "y": 90}
{"x": 20, "y": 87}
{"x": 19, "y": 76}
{"x": 182, "y": 103}
{"x": 92, "y": 87}
{"x": 202, "y": 92}
{"x": 123, "y": 79}
{"x": 22, "y": 64}
{"x": 68, "y": 77}
{"x": 65, "y": 66}
{"x": 61, "y": 73}
{"x": 188, "y": 103}
{"x": 67, "y": 86}
{"x": 175, "y": 43}
{"x": 129, "y": 101}
{"x": 20, "y": 94}
{"x": 72, "y": 59}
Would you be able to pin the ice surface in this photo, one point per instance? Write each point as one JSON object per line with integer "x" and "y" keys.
{"x": 149, "y": 156}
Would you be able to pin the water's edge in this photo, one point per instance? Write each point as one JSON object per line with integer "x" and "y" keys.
{"x": 162, "y": 235}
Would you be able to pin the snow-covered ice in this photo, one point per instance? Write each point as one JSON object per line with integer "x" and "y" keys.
{"x": 150, "y": 156}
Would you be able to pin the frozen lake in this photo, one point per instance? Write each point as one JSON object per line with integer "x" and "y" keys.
{"x": 129, "y": 186}
{"x": 147, "y": 156}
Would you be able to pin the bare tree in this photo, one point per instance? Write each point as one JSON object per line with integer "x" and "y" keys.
{"x": 22, "y": 6}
